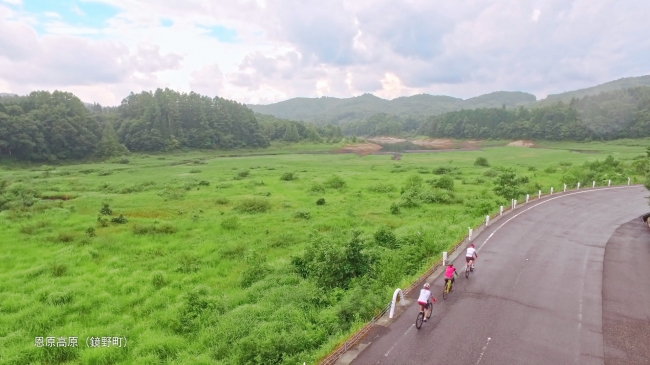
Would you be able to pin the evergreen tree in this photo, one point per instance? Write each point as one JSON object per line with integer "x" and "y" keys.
{"x": 109, "y": 146}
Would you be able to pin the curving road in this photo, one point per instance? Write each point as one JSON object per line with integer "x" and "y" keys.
{"x": 536, "y": 296}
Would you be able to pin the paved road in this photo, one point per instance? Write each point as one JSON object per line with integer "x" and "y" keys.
{"x": 536, "y": 294}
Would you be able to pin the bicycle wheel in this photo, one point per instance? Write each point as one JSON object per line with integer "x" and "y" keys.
{"x": 418, "y": 321}
{"x": 467, "y": 270}
{"x": 444, "y": 292}
{"x": 430, "y": 309}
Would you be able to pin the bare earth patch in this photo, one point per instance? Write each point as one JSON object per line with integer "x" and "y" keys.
{"x": 440, "y": 143}
{"x": 386, "y": 140}
{"x": 360, "y": 148}
{"x": 522, "y": 143}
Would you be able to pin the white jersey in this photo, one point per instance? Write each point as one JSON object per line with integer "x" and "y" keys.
{"x": 470, "y": 252}
{"x": 424, "y": 295}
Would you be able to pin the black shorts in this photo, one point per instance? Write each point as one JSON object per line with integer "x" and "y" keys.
{"x": 469, "y": 258}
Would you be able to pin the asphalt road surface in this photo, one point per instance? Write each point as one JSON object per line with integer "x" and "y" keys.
{"x": 536, "y": 296}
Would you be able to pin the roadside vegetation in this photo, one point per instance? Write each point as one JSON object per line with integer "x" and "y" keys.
{"x": 201, "y": 259}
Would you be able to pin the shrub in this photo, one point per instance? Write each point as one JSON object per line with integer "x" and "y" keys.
{"x": 481, "y": 161}
{"x": 222, "y": 201}
{"x": 302, "y": 214}
{"x": 381, "y": 188}
{"x": 119, "y": 219}
{"x": 105, "y": 173}
{"x": 106, "y": 210}
{"x": 550, "y": 170}
{"x": 394, "y": 208}
{"x": 58, "y": 269}
{"x": 335, "y": 182}
{"x": 159, "y": 279}
{"x": 439, "y": 196}
{"x": 288, "y": 176}
{"x": 90, "y": 231}
{"x": 442, "y": 170}
{"x": 532, "y": 168}
{"x": 316, "y": 188}
{"x": 102, "y": 222}
{"x": 446, "y": 182}
{"x": 195, "y": 171}
{"x": 410, "y": 198}
{"x": 204, "y": 183}
{"x": 490, "y": 173}
{"x": 230, "y": 223}
{"x": 243, "y": 173}
{"x": 256, "y": 269}
{"x": 413, "y": 182}
{"x": 253, "y": 205}
{"x": 223, "y": 185}
{"x": 385, "y": 237}
{"x": 566, "y": 164}
{"x": 65, "y": 237}
{"x": 320, "y": 201}
{"x": 123, "y": 160}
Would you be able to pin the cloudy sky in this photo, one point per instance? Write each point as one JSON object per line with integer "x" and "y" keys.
{"x": 264, "y": 51}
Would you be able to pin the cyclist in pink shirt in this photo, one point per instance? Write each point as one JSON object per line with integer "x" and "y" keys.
{"x": 450, "y": 271}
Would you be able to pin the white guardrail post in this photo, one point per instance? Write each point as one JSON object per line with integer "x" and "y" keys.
{"x": 593, "y": 185}
{"x": 514, "y": 204}
{"x": 501, "y": 210}
{"x": 527, "y": 197}
{"x": 469, "y": 237}
{"x": 628, "y": 181}
{"x": 487, "y": 220}
{"x": 444, "y": 259}
{"x": 609, "y": 183}
{"x": 551, "y": 190}
{"x": 401, "y": 300}
{"x": 565, "y": 188}
{"x": 578, "y": 188}
{"x": 539, "y": 194}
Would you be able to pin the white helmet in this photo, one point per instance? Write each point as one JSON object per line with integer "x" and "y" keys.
{"x": 426, "y": 286}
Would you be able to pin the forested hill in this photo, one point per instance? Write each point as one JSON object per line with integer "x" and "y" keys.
{"x": 624, "y": 83}
{"x": 610, "y": 115}
{"x": 55, "y": 126}
{"x": 327, "y": 110}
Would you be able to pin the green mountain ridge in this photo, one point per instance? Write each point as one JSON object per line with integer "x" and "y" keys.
{"x": 330, "y": 110}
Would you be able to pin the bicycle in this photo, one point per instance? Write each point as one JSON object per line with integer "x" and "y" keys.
{"x": 469, "y": 268}
{"x": 420, "y": 317}
{"x": 447, "y": 287}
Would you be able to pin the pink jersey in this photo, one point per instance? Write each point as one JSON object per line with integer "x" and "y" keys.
{"x": 449, "y": 272}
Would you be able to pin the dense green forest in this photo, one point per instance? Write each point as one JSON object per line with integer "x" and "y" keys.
{"x": 610, "y": 115}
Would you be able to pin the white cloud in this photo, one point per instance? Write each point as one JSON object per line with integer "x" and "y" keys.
{"x": 290, "y": 48}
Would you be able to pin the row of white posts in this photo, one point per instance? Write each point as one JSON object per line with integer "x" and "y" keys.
{"x": 487, "y": 222}
{"x": 513, "y": 205}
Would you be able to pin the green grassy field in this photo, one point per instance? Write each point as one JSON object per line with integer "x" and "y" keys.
{"x": 202, "y": 272}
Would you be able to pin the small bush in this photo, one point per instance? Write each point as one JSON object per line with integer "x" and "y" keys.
{"x": 243, "y": 173}
{"x": 204, "y": 183}
{"x": 532, "y": 168}
{"x": 394, "y": 208}
{"x": 102, "y": 222}
{"x": 105, "y": 173}
{"x": 490, "y": 173}
{"x": 222, "y": 201}
{"x": 335, "y": 182}
{"x": 90, "y": 231}
{"x": 550, "y": 170}
{"x": 445, "y": 182}
{"x": 386, "y": 238}
{"x": 123, "y": 160}
{"x": 301, "y": 215}
{"x": 253, "y": 205}
{"x": 320, "y": 201}
{"x": 87, "y": 171}
{"x": 288, "y": 176}
{"x": 481, "y": 161}
{"x": 566, "y": 164}
{"x": 58, "y": 270}
{"x": 381, "y": 188}
{"x": 65, "y": 237}
{"x": 195, "y": 171}
{"x": 159, "y": 279}
{"x": 442, "y": 170}
{"x": 223, "y": 185}
{"x": 230, "y": 223}
{"x": 119, "y": 219}
{"x": 106, "y": 210}
{"x": 316, "y": 188}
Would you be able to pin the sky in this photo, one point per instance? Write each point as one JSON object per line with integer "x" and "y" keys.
{"x": 265, "y": 51}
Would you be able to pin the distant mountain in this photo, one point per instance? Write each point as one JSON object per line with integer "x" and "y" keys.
{"x": 334, "y": 110}
{"x": 2, "y": 95}
{"x": 619, "y": 84}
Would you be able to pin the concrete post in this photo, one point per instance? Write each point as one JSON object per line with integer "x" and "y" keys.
{"x": 628, "y": 181}
{"x": 514, "y": 205}
{"x": 593, "y": 185}
{"x": 527, "y": 197}
{"x": 578, "y": 188}
{"x": 501, "y": 210}
{"x": 444, "y": 258}
{"x": 565, "y": 188}
{"x": 539, "y": 194}
{"x": 469, "y": 237}
{"x": 551, "y": 190}
{"x": 609, "y": 183}
{"x": 487, "y": 220}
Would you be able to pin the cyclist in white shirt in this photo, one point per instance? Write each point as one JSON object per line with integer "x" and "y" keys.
{"x": 425, "y": 301}
{"x": 470, "y": 257}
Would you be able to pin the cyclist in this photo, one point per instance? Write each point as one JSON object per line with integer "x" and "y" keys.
{"x": 450, "y": 273}
{"x": 425, "y": 301}
{"x": 470, "y": 257}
